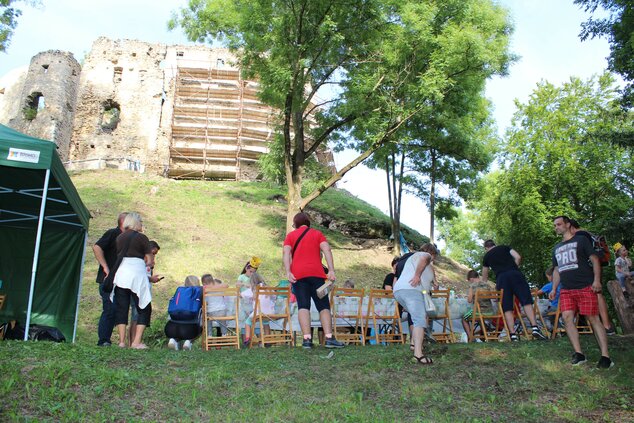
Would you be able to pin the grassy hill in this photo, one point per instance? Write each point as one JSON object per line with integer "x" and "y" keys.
{"x": 216, "y": 227}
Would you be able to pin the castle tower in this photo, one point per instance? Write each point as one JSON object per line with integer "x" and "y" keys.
{"x": 47, "y": 103}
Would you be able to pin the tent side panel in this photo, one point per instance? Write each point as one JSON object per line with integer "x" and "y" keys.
{"x": 57, "y": 280}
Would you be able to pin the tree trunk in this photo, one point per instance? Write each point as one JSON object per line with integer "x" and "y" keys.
{"x": 622, "y": 306}
{"x": 389, "y": 170}
{"x": 432, "y": 196}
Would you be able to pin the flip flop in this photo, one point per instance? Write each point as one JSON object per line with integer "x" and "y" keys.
{"x": 411, "y": 347}
{"x": 423, "y": 360}
{"x": 122, "y": 345}
{"x": 139, "y": 347}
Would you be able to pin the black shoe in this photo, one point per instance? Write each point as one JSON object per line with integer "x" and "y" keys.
{"x": 537, "y": 334}
{"x": 610, "y": 331}
{"x": 515, "y": 337}
{"x": 333, "y": 343}
{"x": 578, "y": 358}
{"x": 605, "y": 363}
{"x": 307, "y": 344}
{"x": 104, "y": 344}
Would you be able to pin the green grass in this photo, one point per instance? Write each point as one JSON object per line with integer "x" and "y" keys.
{"x": 529, "y": 381}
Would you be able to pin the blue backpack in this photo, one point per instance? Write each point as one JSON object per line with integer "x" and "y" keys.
{"x": 186, "y": 303}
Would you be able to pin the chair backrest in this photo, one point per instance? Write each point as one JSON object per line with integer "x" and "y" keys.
{"x": 491, "y": 329}
{"x": 441, "y": 317}
{"x": 383, "y": 317}
{"x": 347, "y": 301}
{"x": 487, "y": 300}
{"x": 213, "y": 298}
{"x": 272, "y": 311}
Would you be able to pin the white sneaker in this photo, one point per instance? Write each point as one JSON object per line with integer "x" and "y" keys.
{"x": 172, "y": 344}
{"x": 187, "y": 345}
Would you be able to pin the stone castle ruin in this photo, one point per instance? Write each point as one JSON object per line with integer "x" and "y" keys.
{"x": 180, "y": 111}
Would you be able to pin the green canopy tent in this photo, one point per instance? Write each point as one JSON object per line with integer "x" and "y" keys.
{"x": 43, "y": 235}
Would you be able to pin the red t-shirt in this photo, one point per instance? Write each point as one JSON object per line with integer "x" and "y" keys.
{"x": 306, "y": 261}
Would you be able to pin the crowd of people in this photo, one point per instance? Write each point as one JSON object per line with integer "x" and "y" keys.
{"x": 574, "y": 286}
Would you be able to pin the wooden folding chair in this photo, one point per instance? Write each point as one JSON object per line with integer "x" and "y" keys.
{"x": 491, "y": 331}
{"x": 347, "y": 313}
{"x": 446, "y": 335}
{"x": 278, "y": 318}
{"x": 539, "y": 318}
{"x": 518, "y": 313}
{"x": 230, "y": 320}
{"x": 583, "y": 329}
{"x": 383, "y": 312}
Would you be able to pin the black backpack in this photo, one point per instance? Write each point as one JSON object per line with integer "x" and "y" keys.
{"x": 400, "y": 264}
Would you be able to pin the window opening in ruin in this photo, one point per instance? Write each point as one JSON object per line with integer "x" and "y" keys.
{"x": 220, "y": 63}
{"x": 74, "y": 72}
{"x": 45, "y": 68}
{"x": 180, "y": 54}
{"x": 34, "y": 103}
{"x": 117, "y": 73}
{"x": 110, "y": 116}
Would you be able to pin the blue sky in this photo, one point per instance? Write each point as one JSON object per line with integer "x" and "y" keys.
{"x": 546, "y": 39}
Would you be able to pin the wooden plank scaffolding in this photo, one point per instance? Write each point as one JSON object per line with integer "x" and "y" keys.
{"x": 219, "y": 127}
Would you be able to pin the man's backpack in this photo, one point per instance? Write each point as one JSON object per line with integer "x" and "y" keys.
{"x": 599, "y": 245}
{"x": 186, "y": 303}
{"x": 400, "y": 264}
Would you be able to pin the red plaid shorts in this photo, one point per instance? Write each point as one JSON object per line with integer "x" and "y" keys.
{"x": 582, "y": 300}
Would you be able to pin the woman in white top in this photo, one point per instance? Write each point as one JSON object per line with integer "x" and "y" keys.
{"x": 416, "y": 276}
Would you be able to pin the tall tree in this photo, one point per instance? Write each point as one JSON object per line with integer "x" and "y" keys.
{"x": 9, "y": 15}
{"x": 379, "y": 63}
{"x": 618, "y": 28}
{"x": 554, "y": 163}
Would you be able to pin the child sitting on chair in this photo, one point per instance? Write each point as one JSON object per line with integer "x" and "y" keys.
{"x": 267, "y": 306}
{"x": 486, "y": 307}
{"x": 216, "y": 306}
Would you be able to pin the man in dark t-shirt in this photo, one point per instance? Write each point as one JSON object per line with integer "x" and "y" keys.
{"x": 578, "y": 270}
{"x": 575, "y": 228}
{"x": 504, "y": 261}
{"x": 105, "y": 250}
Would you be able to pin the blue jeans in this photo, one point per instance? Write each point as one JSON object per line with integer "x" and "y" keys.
{"x": 106, "y": 321}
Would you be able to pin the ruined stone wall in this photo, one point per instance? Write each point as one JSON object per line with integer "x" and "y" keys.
{"x": 121, "y": 99}
{"x": 178, "y": 111}
{"x": 47, "y": 101}
{"x": 11, "y": 93}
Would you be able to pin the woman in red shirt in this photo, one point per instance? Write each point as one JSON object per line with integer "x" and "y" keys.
{"x": 303, "y": 248}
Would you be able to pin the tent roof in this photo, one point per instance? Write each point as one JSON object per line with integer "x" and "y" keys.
{"x": 23, "y": 160}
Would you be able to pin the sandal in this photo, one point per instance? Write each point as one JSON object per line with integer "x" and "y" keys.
{"x": 424, "y": 360}
{"x": 411, "y": 347}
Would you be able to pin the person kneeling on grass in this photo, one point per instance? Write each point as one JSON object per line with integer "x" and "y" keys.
{"x": 185, "y": 331}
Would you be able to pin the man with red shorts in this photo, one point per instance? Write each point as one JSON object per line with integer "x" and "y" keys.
{"x": 578, "y": 269}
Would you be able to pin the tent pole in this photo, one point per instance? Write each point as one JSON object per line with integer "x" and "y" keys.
{"x": 36, "y": 255}
{"x": 81, "y": 279}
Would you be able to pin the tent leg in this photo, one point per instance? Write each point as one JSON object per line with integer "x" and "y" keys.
{"x": 81, "y": 279}
{"x": 36, "y": 254}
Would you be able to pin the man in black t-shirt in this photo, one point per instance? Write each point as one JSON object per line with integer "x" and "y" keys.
{"x": 105, "y": 250}
{"x": 504, "y": 261}
{"x": 578, "y": 270}
{"x": 575, "y": 228}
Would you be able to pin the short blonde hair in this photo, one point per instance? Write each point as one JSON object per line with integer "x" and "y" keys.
{"x": 133, "y": 221}
{"x": 192, "y": 280}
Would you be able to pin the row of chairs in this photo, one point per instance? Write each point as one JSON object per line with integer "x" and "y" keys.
{"x": 493, "y": 325}
{"x": 350, "y": 323}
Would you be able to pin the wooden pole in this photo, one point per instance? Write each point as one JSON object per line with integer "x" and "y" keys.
{"x": 623, "y": 306}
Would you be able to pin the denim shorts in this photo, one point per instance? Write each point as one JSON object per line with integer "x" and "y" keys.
{"x": 412, "y": 301}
